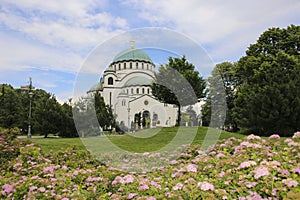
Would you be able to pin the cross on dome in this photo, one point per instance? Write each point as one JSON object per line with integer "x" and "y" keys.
{"x": 132, "y": 43}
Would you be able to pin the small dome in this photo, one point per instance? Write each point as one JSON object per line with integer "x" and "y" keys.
{"x": 96, "y": 87}
{"x": 132, "y": 54}
{"x": 138, "y": 81}
{"x": 109, "y": 69}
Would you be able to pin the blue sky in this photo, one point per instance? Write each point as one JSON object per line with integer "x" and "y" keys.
{"x": 50, "y": 40}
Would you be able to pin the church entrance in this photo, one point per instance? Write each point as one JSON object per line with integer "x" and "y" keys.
{"x": 142, "y": 120}
{"x": 146, "y": 119}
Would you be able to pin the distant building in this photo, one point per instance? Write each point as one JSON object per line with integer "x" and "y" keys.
{"x": 125, "y": 85}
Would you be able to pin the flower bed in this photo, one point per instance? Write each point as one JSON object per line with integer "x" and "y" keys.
{"x": 232, "y": 169}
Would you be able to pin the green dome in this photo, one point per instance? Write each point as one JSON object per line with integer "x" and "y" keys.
{"x": 109, "y": 69}
{"x": 96, "y": 87}
{"x": 132, "y": 54}
{"x": 138, "y": 81}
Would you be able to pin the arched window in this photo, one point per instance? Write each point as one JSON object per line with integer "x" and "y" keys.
{"x": 131, "y": 90}
{"x": 147, "y": 67}
{"x": 119, "y": 66}
{"x": 137, "y": 65}
{"x": 148, "y": 91}
{"x": 137, "y": 90}
{"x": 143, "y": 90}
{"x": 110, "y": 81}
{"x": 123, "y": 102}
{"x": 142, "y": 65}
{"x": 130, "y": 65}
{"x": 124, "y": 65}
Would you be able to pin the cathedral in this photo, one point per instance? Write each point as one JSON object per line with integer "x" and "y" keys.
{"x": 125, "y": 86}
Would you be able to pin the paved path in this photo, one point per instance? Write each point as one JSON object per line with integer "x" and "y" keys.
{"x": 36, "y": 136}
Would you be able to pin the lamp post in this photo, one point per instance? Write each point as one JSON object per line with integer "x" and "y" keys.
{"x": 29, "y": 88}
{"x": 29, "y": 117}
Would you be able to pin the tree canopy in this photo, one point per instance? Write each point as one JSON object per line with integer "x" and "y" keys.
{"x": 222, "y": 84}
{"x": 178, "y": 83}
{"x": 268, "y": 95}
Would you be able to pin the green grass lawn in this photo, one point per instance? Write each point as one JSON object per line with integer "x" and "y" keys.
{"x": 142, "y": 141}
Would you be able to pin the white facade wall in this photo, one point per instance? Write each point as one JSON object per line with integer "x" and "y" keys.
{"x": 126, "y": 104}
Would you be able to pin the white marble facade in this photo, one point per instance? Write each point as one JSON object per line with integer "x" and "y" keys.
{"x": 125, "y": 85}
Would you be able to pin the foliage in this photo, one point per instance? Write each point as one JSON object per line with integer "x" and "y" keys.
{"x": 178, "y": 83}
{"x": 223, "y": 78}
{"x": 9, "y": 145}
{"x": 68, "y": 128}
{"x": 10, "y": 108}
{"x": 91, "y": 114}
{"x": 268, "y": 97}
{"x": 46, "y": 112}
{"x": 48, "y": 116}
{"x": 104, "y": 112}
{"x": 249, "y": 168}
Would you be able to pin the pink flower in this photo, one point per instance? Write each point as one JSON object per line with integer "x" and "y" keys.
{"x": 151, "y": 198}
{"x": 90, "y": 179}
{"x": 205, "y": 186}
{"x": 131, "y": 195}
{"x": 221, "y": 174}
{"x": 296, "y": 170}
{"x": 32, "y": 188}
{"x": 274, "y": 136}
{"x": 285, "y": 172}
{"x": 7, "y": 189}
{"x": 64, "y": 167}
{"x": 173, "y": 162}
{"x": 192, "y": 168}
{"x": 220, "y": 155}
{"x": 296, "y": 135}
{"x": 247, "y": 164}
{"x": 34, "y": 177}
{"x": 290, "y": 182}
{"x": 261, "y": 171}
{"x": 143, "y": 187}
{"x": 288, "y": 140}
{"x": 178, "y": 186}
{"x": 65, "y": 198}
{"x": 275, "y": 162}
{"x": 75, "y": 173}
{"x": 251, "y": 184}
{"x": 42, "y": 189}
{"x": 128, "y": 179}
{"x": 253, "y": 137}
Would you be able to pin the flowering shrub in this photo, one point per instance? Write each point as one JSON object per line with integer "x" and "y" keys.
{"x": 249, "y": 168}
{"x": 9, "y": 146}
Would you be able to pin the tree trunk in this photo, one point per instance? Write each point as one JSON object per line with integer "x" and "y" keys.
{"x": 178, "y": 116}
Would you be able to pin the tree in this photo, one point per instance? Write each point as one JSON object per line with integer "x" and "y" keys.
{"x": 179, "y": 84}
{"x": 104, "y": 112}
{"x": 225, "y": 74}
{"x": 192, "y": 116}
{"x": 90, "y": 113}
{"x": 10, "y": 108}
{"x": 67, "y": 128}
{"x": 268, "y": 95}
{"x": 46, "y": 113}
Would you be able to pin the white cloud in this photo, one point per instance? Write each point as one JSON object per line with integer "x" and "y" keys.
{"x": 19, "y": 54}
{"x": 57, "y": 34}
{"x": 76, "y": 25}
{"x": 233, "y": 24}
